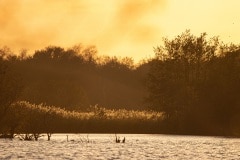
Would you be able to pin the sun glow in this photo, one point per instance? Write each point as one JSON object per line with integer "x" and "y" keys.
{"x": 119, "y": 27}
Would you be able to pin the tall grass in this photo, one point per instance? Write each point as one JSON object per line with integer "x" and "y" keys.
{"x": 94, "y": 112}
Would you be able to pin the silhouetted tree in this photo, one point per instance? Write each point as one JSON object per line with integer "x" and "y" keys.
{"x": 194, "y": 81}
{"x": 177, "y": 70}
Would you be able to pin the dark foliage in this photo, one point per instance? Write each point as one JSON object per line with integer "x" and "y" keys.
{"x": 76, "y": 78}
{"x": 10, "y": 83}
{"x": 196, "y": 83}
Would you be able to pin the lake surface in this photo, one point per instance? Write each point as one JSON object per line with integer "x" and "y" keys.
{"x": 137, "y": 146}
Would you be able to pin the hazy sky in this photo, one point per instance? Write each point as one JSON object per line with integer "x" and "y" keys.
{"x": 116, "y": 27}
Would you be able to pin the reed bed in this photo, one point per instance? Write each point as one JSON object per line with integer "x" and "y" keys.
{"x": 94, "y": 112}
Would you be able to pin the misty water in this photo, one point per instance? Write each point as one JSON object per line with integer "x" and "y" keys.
{"x": 103, "y": 146}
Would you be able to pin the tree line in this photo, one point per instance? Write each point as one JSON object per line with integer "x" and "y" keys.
{"x": 75, "y": 78}
{"x": 192, "y": 80}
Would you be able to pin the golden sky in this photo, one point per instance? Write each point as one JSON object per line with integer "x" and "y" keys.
{"x": 116, "y": 27}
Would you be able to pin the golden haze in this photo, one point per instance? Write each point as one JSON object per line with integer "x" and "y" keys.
{"x": 117, "y": 27}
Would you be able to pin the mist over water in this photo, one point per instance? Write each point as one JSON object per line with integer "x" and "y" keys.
{"x": 103, "y": 146}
